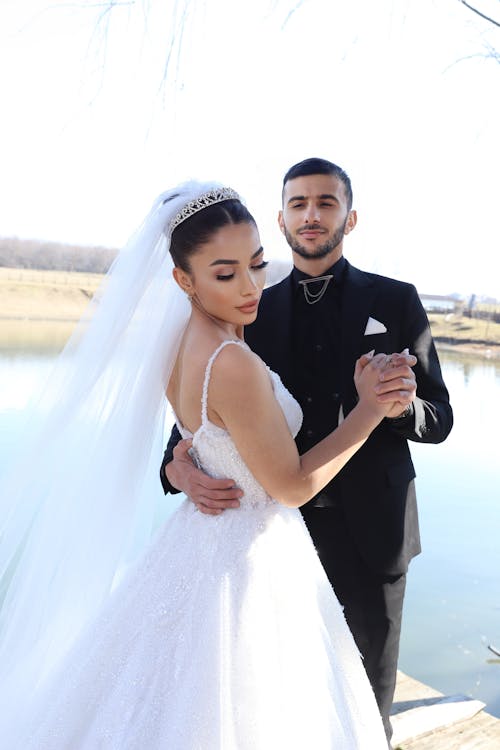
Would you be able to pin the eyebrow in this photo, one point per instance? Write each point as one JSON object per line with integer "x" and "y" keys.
{"x": 228, "y": 262}
{"x": 323, "y": 196}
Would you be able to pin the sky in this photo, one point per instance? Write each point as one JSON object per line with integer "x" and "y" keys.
{"x": 101, "y": 111}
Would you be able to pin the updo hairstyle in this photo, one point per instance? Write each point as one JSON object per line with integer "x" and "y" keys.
{"x": 198, "y": 229}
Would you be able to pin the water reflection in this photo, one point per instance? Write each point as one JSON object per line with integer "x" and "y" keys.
{"x": 35, "y": 336}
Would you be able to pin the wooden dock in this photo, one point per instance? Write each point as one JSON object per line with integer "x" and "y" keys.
{"x": 425, "y": 719}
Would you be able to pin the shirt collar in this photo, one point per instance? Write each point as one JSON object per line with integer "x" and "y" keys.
{"x": 337, "y": 271}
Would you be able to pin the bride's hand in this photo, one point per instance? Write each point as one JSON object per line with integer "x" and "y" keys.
{"x": 397, "y": 384}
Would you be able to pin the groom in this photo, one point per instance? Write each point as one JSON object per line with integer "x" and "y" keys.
{"x": 310, "y": 329}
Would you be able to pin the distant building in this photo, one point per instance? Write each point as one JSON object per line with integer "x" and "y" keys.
{"x": 438, "y": 302}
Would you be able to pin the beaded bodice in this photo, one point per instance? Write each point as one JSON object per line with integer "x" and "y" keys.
{"x": 214, "y": 450}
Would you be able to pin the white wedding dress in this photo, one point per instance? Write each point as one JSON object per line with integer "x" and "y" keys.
{"x": 226, "y": 635}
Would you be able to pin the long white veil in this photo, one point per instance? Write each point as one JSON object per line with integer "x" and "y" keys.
{"x": 77, "y": 506}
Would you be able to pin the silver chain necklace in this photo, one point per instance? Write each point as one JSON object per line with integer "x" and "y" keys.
{"x": 313, "y": 297}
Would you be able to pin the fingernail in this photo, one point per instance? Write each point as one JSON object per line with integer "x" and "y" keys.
{"x": 406, "y": 351}
{"x": 370, "y": 354}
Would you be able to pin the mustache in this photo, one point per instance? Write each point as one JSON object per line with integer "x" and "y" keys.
{"x": 310, "y": 228}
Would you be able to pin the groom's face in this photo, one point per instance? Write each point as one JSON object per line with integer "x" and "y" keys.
{"x": 315, "y": 216}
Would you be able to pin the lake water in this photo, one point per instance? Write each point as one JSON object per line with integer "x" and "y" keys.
{"x": 452, "y": 609}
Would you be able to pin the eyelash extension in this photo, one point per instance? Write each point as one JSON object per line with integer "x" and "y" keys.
{"x": 260, "y": 267}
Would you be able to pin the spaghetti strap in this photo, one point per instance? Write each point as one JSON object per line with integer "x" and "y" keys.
{"x": 208, "y": 371}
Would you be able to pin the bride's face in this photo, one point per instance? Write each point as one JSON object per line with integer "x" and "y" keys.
{"x": 227, "y": 274}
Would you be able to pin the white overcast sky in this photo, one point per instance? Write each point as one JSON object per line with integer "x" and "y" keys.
{"x": 398, "y": 92}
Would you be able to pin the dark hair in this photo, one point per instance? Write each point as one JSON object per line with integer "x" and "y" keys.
{"x": 199, "y": 228}
{"x": 320, "y": 166}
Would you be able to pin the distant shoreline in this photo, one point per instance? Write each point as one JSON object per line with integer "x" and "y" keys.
{"x": 484, "y": 351}
{"x": 41, "y": 309}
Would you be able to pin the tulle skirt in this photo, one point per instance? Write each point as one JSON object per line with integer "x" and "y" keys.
{"x": 226, "y": 635}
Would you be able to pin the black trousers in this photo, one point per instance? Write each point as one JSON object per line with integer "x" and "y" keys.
{"x": 373, "y": 603}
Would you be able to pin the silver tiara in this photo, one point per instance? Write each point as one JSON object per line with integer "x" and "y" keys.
{"x": 203, "y": 201}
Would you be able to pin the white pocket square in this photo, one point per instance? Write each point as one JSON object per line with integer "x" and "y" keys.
{"x": 374, "y": 326}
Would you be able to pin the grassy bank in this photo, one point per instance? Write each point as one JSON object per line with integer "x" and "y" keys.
{"x": 42, "y": 307}
{"x": 463, "y": 334}
{"x": 45, "y": 295}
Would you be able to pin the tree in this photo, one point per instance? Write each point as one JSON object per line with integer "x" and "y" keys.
{"x": 181, "y": 10}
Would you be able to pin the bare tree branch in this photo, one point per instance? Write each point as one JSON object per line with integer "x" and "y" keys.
{"x": 492, "y": 52}
{"x": 291, "y": 12}
{"x": 475, "y": 10}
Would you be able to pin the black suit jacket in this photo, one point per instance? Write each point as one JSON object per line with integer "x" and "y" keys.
{"x": 376, "y": 488}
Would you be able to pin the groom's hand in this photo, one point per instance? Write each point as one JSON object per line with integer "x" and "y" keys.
{"x": 398, "y": 383}
{"x": 211, "y": 496}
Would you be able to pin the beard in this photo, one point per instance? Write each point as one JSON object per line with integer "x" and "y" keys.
{"x": 322, "y": 250}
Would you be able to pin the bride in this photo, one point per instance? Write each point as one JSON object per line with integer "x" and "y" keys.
{"x": 224, "y": 633}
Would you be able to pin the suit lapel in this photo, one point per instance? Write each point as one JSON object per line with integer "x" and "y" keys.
{"x": 271, "y": 335}
{"x": 280, "y": 330}
{"x": 357, "y": 300}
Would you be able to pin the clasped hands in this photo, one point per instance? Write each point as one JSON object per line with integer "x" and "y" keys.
{"x": 395, "y": 386}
